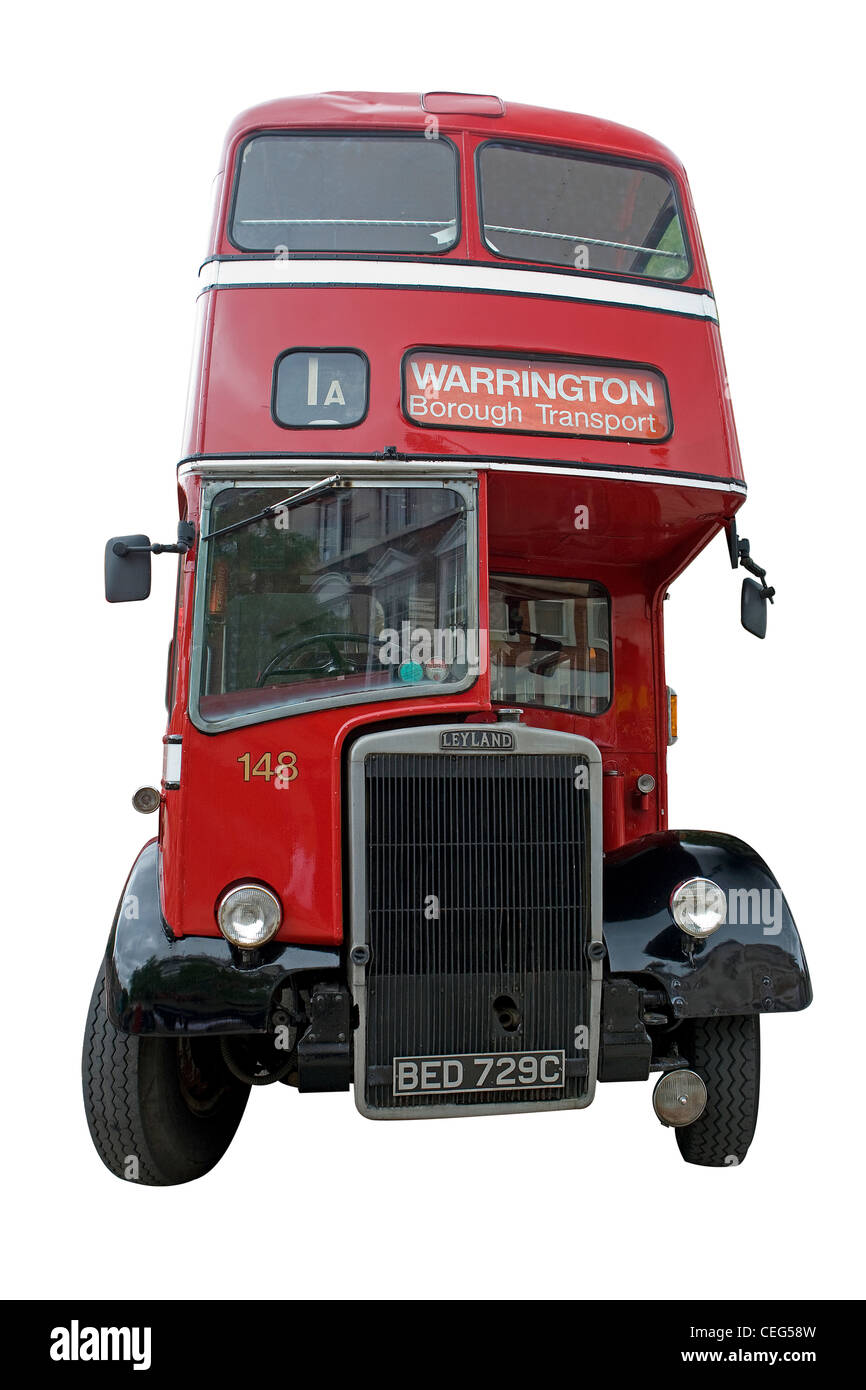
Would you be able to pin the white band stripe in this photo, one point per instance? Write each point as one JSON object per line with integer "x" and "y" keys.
{"x": 445, "y": 276}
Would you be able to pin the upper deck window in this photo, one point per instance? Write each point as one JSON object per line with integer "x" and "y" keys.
{"x": 585, "y": 214}
{"x": 339, "y": 192}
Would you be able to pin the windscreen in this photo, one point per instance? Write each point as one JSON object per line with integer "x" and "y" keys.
{"x": 584, "y": 214}
{"x": 346, "y": 193}
{"x": 352, "y": 595}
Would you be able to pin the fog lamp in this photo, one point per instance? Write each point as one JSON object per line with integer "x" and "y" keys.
{"x": 699, "y": 906}
{"x": 679, "y": 1097}
{"x": 248, "y": 915}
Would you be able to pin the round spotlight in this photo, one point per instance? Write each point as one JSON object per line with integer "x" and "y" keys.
{"x": 679, "y": 1097}
{"x": 145, "y": 800}
{"x": 646, "y": 783}
{"x": 248, "y": 915}
{"x": 699, "y": 907}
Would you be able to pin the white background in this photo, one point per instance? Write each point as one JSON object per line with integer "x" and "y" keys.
{"x": 112, "y": 130}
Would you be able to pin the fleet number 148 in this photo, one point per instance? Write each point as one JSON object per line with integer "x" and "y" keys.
{"x": 285, "y": 770}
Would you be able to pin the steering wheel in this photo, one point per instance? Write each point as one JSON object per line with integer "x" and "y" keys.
{"x": 334, "y": 663}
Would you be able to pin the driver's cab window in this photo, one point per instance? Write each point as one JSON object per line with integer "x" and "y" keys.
{"x": 550, "y": 643}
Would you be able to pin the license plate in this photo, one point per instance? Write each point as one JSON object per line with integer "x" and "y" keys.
{"x": 491, "y": 1071}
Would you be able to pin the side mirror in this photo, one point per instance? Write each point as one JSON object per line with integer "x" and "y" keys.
{"x": 753, "y": 608}
{"x": 127, "y": 569}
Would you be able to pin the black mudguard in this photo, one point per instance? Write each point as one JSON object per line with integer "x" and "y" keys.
{"x": 746, "y": 967}
{"x": 157, "y": 983}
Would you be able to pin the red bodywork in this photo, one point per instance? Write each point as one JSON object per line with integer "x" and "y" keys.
{"x": 643, "y": 529}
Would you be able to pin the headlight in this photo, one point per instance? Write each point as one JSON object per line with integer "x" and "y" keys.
{"x": 249, "y": 915}
{"x": 699, "y": 906}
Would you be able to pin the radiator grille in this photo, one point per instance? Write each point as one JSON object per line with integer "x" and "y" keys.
{"x": 477, "y": 891}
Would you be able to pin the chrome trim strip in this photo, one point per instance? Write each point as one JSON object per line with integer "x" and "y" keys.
{"x": 264, "y": 469}
{"x": 444, "y": 469}
{"x": 611, "y": 475}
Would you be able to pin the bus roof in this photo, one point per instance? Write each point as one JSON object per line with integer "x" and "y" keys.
{"x": 413, "y": 110}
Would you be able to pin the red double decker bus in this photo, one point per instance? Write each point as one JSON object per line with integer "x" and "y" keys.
{"x": 457, "y": 419}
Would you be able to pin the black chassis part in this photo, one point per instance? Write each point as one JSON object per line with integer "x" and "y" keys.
{"x": 160, "y": 984}
{"x": 625, "y": 1047}
{"x": 325, "y": 1050}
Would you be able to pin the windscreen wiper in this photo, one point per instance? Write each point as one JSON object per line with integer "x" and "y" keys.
{"x": 298, "y": 499}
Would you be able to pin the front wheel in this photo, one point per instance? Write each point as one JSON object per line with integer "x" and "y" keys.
{"x": 160, "y": 1110}
{"x": 726, "y": 1052}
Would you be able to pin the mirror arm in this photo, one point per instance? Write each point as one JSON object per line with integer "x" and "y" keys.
{"x": 185, "y": 541}
{"x": 749, "y": 564}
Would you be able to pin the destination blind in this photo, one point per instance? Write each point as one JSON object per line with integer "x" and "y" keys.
{"x": 536, "y": 395}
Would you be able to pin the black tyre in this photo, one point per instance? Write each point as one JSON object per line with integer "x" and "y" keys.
{"x": 160, "y": 1110}
{"x": 726, "y": 1052}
